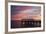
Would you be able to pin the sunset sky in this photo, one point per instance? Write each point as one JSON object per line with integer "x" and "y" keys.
{"x": 25, "y": 12}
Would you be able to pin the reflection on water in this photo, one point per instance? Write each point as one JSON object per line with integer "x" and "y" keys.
{"x": 25, "y": 23}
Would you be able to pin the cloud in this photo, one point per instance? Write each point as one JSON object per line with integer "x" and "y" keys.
{"x": 27, "y": 13}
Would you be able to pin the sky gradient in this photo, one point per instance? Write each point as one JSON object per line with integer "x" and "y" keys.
{"x": 25, "y": 12}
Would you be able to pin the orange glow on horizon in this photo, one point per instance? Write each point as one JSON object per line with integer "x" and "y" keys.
{"x": 25, "y": 16}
